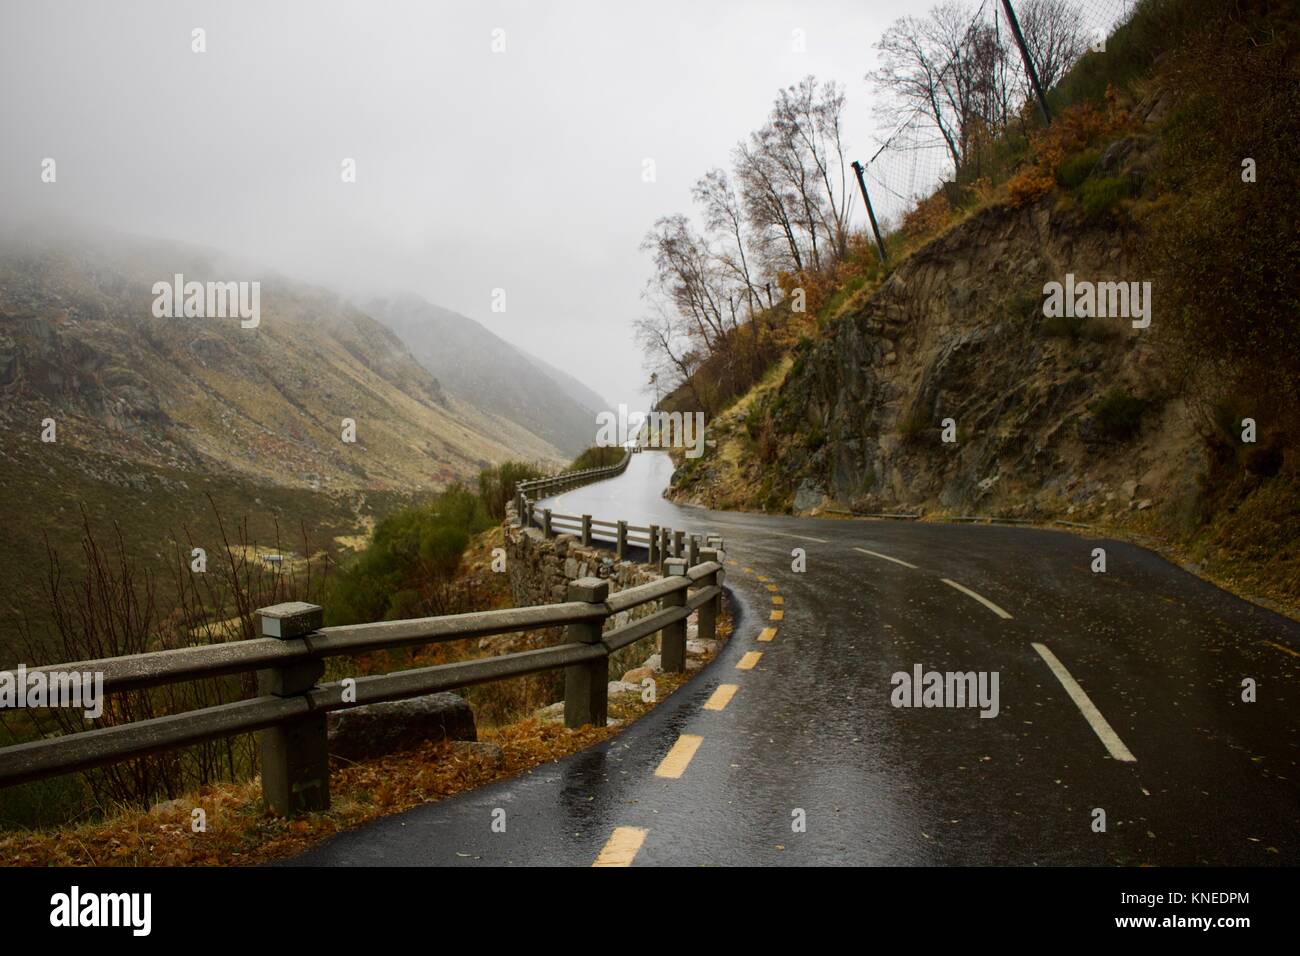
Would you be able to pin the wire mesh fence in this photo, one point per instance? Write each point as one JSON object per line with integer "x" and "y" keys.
{"x": 978, "y": 90}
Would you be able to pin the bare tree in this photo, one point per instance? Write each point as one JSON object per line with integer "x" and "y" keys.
{"x": 810, "y": 116}
{"x": 724, "y": 214}
{"x": 1055, "y": 35}
{"x": 685, "y": 275}
{"x": 944, "y": 67}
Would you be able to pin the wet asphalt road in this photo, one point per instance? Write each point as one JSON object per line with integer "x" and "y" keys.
{"x": 1160, "y": 654}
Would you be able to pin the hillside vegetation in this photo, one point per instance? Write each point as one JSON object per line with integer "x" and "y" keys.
{"x": 938, "y": 385}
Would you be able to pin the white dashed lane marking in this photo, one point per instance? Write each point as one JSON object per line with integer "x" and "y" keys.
{"x": 885, "y": 557}
{"x": 1090, "y": 712}
{"x": 979, "y": 597}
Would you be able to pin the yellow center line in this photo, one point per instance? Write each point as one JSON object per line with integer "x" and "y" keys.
{"x": 749, "y": 570}
{"x": 778, "y": 616}
{"x": 767, "y": 634}
{"x": 763, "y": 579}
{"x": 721, "y": 697}
{"x": 777, "y": 599}
{"x": 773, "y": 588}
{"x": 621, "y": 847}
{"x": 679, "y": 757}
{"x": 749, "y": 660}
{"x": 1284, "y": 650}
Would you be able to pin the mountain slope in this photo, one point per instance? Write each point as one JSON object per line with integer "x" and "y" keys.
{"x": 79, "y": 343}
{"x": 484, "y": 370}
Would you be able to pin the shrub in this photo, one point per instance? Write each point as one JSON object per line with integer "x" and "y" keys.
{"x": 1101, "y": 197}
{"x": 1073, "y": 170}
{"x": 1118, "y": 415}
{"x": 597, "y": 456}
{"x": 1063, "y": 327}
{"x": 410, "y": 564}
{"x": 496, "y": 485}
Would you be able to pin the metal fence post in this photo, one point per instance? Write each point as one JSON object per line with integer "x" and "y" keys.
{"x": 586, "y": 685}
{"x": 672, "y": 638}
{"x": 871, "y": 213}
{"x": 294, "y": 754}
{"x": 620, "y": 545}
{"x": 1029, "y": 62}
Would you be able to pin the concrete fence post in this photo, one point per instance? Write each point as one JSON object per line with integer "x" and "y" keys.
{"x": 586, "y": 685}
{"x": 620, "y": 543}
{"x": 546, "y": 522}
{"x": 708, "y": 619}
{"x": 665, "y": 540}
{"x": 678, "y": 539}
{"x": 586, "y": 531}
{"x": 294, "y": 754}
{"x": 652, "y": 555}
{"x": 693, "y": 551}
{"x": 672, "y": 639}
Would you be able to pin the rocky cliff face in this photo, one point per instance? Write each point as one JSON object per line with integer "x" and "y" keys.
{"x": 1045, "y": 416}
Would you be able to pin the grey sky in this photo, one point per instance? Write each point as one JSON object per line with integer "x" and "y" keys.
{"x": 475, "y": 170}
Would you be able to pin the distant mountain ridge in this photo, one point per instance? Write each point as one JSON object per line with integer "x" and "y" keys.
{"x": 483, "y": 369}
{"x": 79, "y": 343}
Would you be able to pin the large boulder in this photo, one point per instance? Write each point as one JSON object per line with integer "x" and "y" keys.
{"x": 377, "y": 729}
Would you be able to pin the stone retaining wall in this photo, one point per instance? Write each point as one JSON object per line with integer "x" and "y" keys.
{"x": 540, "y": 569}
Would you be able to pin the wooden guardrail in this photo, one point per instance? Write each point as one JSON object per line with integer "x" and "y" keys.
{"x": 290, "y": 711}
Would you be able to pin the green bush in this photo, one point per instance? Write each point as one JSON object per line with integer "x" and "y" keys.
{"x": 1118, "y": 415}
{"x": 1063, "y": 327}
{"x": 496, "y": 485}
{"x": 410, "y": 562}
{"x": 1101, "y": 197}
{"x": 1075, "y": 169}
{"x": 597, "y": 456}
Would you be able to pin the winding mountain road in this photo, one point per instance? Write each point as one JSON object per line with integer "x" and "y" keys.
{"x": 1119, "y": 691}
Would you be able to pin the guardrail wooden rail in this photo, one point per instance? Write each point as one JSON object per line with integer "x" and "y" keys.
{"x": 290, "y": 711}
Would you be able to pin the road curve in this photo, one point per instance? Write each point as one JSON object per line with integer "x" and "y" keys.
{"x": 1118, "y": 691}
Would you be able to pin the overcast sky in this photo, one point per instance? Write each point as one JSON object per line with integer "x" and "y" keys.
{"x": 476, "y": 170}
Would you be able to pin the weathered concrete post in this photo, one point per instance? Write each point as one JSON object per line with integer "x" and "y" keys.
{"x": 546, "y": 522}
{"x": 586, "y": 531}
{"x": 525, "y": 511}
{"x": 693, "y": 551}
{"x": 653, "y": 555}
{"x": 708, "y": 611}
{"x": 678, "y": 539}
{"x": 620, "y": 545}
{"x": 672, "y": 639}
{"x": 294, "y": 754}
{"x": 586, "y": 685}
{"x": 665, "y": 543}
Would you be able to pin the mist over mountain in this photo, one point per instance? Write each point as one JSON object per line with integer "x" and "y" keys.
{"x": 81, "y": 344}
{"x": 487, "y": 372}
